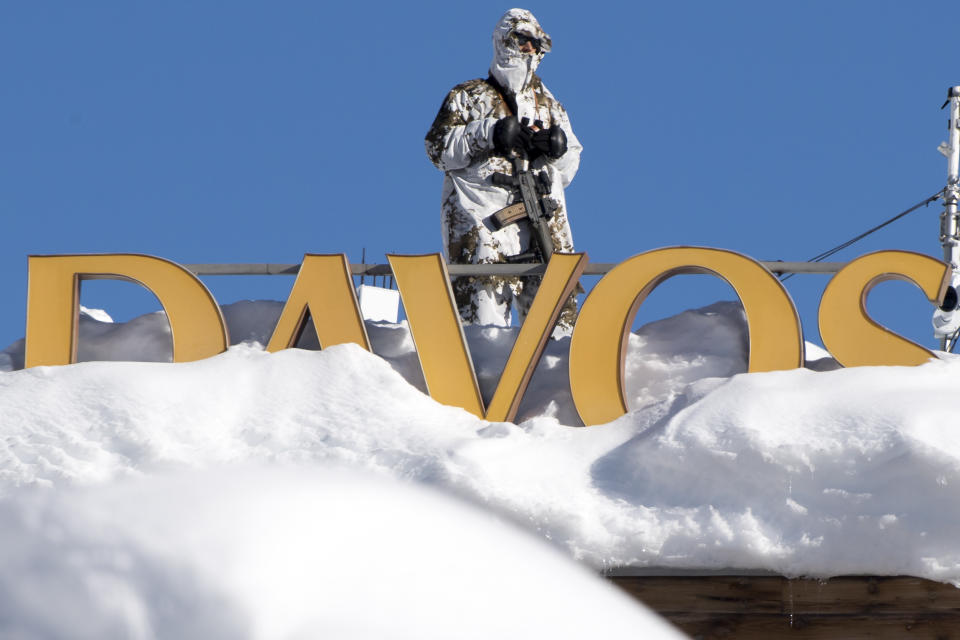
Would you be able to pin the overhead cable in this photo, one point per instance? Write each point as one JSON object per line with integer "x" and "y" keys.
{"x": 826, "y": 254}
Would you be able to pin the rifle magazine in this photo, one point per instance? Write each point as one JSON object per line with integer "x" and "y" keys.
{"x": 509, "y": 215}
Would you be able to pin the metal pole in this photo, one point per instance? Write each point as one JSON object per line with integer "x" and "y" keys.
{"x": 499, "y": 269}
{"x": 946, "y": 319}
{"x": 949, "y": 227}
{"x": 363, "y": 261}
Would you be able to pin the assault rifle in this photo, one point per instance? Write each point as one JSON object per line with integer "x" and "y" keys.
{"x": 531, "y": 207}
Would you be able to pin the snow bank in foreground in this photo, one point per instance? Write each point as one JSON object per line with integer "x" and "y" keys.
{"x": 799, "y": 472}
{"x": 295, "y": 553}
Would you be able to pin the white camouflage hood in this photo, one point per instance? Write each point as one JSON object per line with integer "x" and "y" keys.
{"x": 511, "y": 68}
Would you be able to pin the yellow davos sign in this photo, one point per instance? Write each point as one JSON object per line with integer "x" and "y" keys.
{"x": 324, "y": 290}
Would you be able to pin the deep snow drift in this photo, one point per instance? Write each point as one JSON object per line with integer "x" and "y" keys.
{"x": 801, "y": 472}
{"x": 294, "y": 553}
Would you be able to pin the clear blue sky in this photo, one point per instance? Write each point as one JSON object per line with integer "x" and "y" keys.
{"x": 258, "y": 131}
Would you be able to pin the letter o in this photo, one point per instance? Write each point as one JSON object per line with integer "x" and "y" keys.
{"x": 599, "y": 341}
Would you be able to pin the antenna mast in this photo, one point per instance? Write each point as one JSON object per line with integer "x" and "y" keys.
{"x": 949, "y": 229}
{"x": 946, "y": 319}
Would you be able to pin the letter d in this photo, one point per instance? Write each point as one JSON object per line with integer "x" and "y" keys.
{"x": 53, "y": 298}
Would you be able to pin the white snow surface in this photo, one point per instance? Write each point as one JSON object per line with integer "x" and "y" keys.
{"x": 816, "y": 472}
{"x": 298, "y": 552}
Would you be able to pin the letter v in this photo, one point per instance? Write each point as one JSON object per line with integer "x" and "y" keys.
{"x": 435, "y": 327}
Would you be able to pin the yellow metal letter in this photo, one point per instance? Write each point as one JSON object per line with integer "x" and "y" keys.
{"x": 438, "y": 335}
{"x": 850, "y": 334}
{"x": 563, "y": 272}
{"x": 600, "y": 336}
{"x": 53, "y": 295}
{"x": 324, "y": 289}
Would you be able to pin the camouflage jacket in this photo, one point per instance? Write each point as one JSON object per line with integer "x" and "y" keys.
{"x": 460, "y": 144}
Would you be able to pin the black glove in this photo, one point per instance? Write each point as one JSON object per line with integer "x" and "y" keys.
{"x": 509, "y": 135}
{"x": 550, "y": 142}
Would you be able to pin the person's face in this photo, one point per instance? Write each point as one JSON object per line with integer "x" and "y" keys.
{"x": 526, "y": 44}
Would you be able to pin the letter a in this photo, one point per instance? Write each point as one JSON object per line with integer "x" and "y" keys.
{"x": 324, "y": 290}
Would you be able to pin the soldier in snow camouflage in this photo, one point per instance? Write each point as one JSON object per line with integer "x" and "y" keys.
{"x": 462, "y": 143}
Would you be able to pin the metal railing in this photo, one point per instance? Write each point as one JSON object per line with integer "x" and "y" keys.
{"x": 530, "y": 269}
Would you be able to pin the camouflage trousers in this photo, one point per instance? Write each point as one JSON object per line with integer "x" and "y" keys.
{"x": 490, "y": 300}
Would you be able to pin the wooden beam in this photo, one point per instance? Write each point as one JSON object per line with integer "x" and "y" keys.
{"x": 763, "y": 606}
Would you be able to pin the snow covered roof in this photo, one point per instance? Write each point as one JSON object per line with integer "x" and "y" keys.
{"x": 813, "y": 473}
